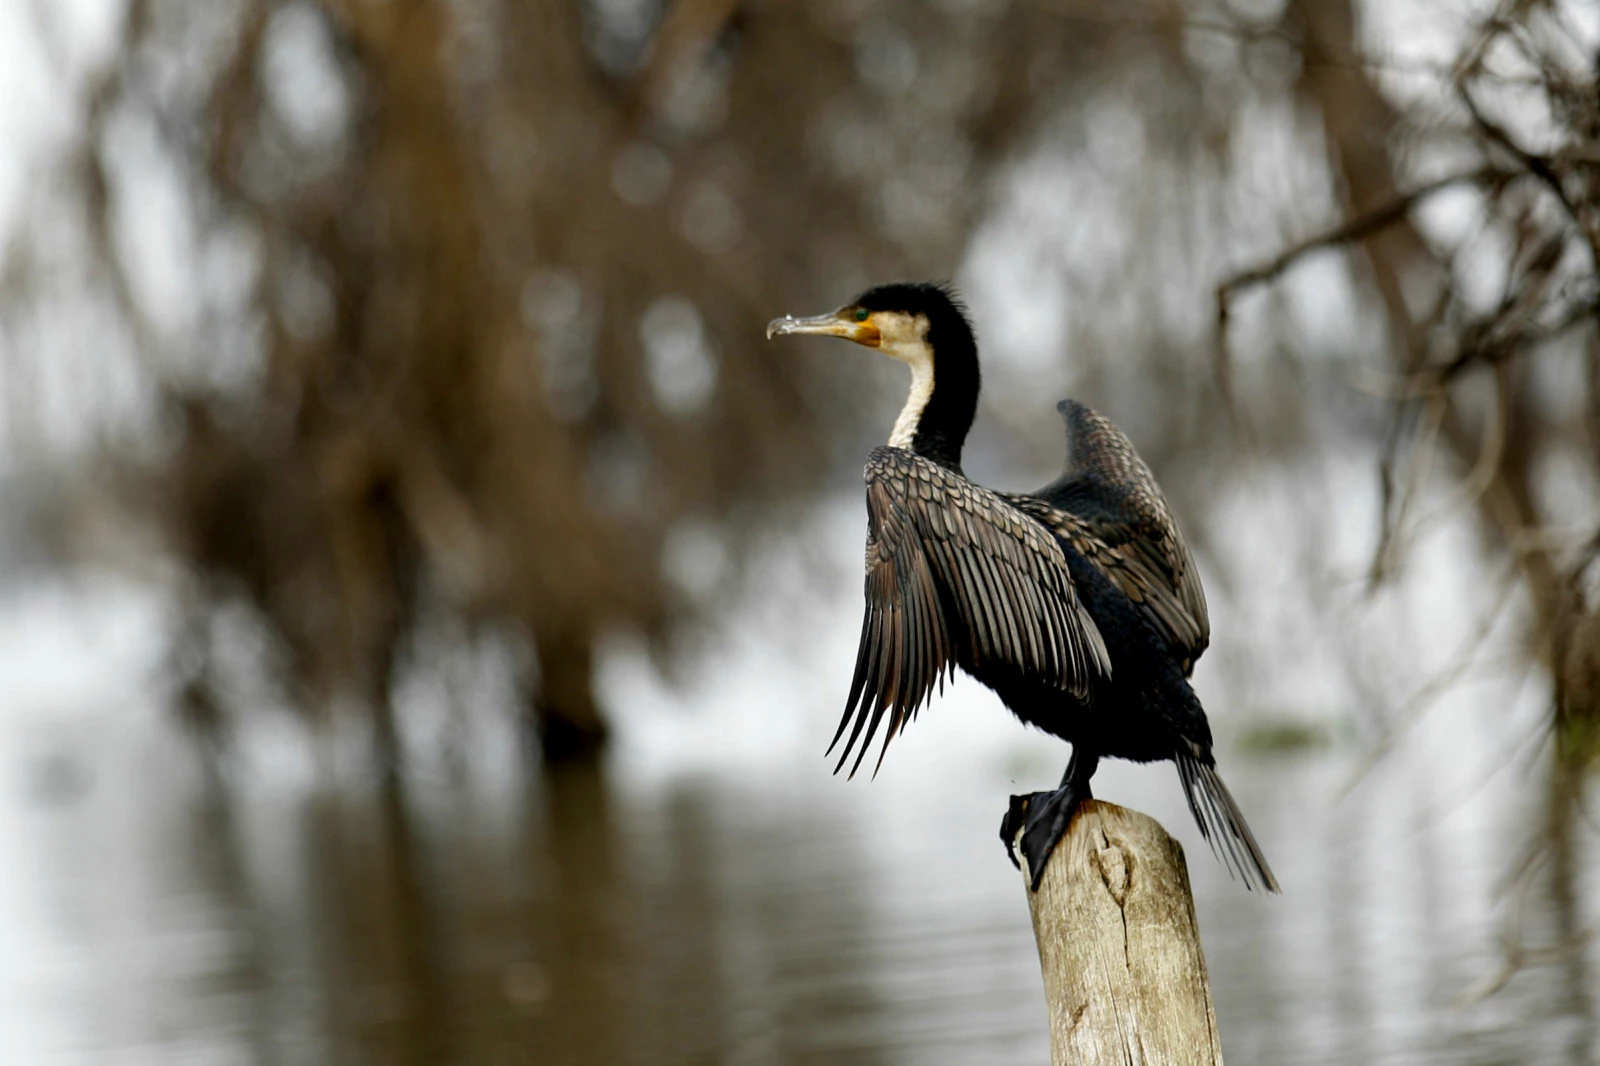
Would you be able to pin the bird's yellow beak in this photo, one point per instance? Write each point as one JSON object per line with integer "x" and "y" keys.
{"x": 840, "y": 323}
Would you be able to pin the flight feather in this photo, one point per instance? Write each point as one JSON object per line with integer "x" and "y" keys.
{"x": 957, "y": 575}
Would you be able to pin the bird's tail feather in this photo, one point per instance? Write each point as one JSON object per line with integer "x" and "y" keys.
{"x": 1222, "y": 824}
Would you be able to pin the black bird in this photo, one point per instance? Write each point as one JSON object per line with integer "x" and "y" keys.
{"x": 1078, "y": 604}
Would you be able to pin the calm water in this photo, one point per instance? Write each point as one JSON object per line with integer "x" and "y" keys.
{"x": 712, "y": 895}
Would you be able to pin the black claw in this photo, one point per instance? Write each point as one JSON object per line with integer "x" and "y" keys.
{"x": 1043, "y": 819}
{"x": 1012, "y": 824}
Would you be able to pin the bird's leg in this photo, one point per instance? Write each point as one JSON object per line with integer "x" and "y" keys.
{"x": 1040, "y": 819}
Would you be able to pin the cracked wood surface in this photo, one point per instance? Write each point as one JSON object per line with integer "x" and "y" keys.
{"x": 1124, "y": 975}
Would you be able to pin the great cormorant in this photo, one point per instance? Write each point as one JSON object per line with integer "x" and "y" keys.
{"x": 1078, "y": 604}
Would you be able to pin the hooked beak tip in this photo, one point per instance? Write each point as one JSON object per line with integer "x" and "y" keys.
{"x": 831, "y": 324}
{"x": 827, "y": 325}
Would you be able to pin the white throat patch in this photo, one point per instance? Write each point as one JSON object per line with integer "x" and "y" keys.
{"x": 905, "y": 337}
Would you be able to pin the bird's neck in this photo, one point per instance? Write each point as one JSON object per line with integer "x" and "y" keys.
{"x": 904, "y": 434}
{"x": 943, "y": 399}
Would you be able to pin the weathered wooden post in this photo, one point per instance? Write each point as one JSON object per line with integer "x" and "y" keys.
{"x": 1124, "y": 976}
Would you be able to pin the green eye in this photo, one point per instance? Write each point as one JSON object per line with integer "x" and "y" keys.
{"x": 861, "y": 314}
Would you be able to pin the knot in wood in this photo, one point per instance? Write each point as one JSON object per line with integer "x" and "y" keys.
{"x": 1113, "y": 864}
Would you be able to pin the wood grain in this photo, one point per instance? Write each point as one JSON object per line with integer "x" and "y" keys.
{"x": 1124, "y": 974}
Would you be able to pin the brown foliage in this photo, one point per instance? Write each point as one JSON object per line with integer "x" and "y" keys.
{"x": 460, "y": 409}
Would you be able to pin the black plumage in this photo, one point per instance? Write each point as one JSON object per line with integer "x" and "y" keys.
{"x": 1078, "y": 604}
{"x": 958, "y": 576}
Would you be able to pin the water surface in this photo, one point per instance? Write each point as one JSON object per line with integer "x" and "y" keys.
{"x": 711, "y": 894}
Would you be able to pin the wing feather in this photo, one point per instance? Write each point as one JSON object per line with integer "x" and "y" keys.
{"x": 956, "y": 575}
{"x": 1109, "y": 507}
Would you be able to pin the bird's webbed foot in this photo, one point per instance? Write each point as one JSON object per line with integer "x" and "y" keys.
{"x": 1041, "y": 819}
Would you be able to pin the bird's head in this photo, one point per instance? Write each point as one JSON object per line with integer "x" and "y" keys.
{"x": 909, "y": 321}
{"x": 924, "y": 326}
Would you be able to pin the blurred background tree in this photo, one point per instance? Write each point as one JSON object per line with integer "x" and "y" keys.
{"x": 476, "y": 290}
{"x": 452, "y": 309}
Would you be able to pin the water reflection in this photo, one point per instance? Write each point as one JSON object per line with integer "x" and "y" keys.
{"x": 709, "y": 897}
{"x": 697, "y": 930}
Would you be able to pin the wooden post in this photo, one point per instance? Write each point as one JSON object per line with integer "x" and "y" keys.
{"x": 1124, "y": 976}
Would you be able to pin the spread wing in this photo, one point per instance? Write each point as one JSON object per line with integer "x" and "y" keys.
{"x": 1109, "y": 507}
{"x": 956, "y": 575}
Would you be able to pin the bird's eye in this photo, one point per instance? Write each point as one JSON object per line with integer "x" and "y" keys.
{"x": 861, "y": 314}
